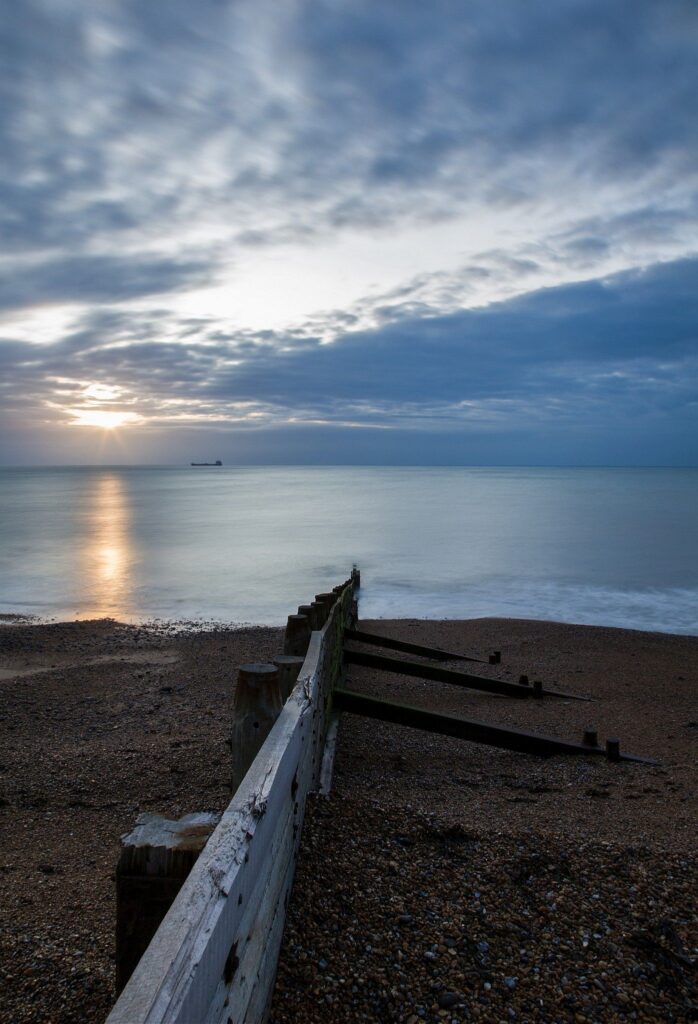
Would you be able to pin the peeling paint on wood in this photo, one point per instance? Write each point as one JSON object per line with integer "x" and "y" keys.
{"x": 214, "y": 956}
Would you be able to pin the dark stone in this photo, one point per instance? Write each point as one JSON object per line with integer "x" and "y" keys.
{"x": 448, "y": 999}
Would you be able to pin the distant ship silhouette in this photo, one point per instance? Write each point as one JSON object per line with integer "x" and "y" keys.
{"x": 216, "y": 463}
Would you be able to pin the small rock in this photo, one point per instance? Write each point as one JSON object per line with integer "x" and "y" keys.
{"x": 446, "y": 1000}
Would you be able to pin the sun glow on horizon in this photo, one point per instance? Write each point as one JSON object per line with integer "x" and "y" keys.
{"x": 107, "y": 419}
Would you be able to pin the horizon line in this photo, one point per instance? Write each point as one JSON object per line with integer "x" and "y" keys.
{"x": 349, "y": 465}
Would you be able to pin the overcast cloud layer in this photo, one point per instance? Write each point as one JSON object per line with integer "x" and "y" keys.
{"x": 350, "y": 231}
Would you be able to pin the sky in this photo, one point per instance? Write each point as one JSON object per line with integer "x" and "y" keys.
{"x": 349, "y": 231}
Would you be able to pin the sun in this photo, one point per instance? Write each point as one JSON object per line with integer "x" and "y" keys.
{"x": 107, "y": 419}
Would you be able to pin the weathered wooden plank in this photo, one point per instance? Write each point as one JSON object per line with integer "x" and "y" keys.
{"x": 181, "y": 969}
{"x": 328, "y": 756}
{"x": 256, "y": 950}
{"x": 217, "y": 948}
{"x": 421, "y": 670}
{"x": 464, "y": 728}
{"x": 435, "y": 653}
{"x": 235, "y": 986}
{"x": 260, "y": 1002}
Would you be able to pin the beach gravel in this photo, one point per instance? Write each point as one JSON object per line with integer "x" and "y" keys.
{"x": 442, "y": 881}
{"x": 398, "y": 916}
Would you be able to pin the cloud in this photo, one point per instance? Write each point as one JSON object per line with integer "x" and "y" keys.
{"x": 121, "y": 120}
{"x": 98, "y": 278}
{"x": 591, "y": 355}
{"x": 456, "y": 190}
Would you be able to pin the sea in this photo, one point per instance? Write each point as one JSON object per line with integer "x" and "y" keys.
{"x": 612, "y": 546}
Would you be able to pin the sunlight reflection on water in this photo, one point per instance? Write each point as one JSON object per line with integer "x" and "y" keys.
{"x": 249, "y": 544}
{"x": 106, "y": 560}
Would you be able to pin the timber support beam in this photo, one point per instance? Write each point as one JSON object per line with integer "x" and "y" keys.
{"x": 467, "y": 729}
{"x": 435, "y": 653}
{"x": 420, "y": 670}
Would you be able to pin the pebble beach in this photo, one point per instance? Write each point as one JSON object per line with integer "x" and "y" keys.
{"x": 441, "y": 881}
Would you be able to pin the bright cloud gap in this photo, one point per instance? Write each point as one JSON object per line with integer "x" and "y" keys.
{"x": 475, "y": 223}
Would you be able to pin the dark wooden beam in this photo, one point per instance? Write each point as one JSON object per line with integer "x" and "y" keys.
{"x": 420, "y": 670}
{"x": 402, "y": 645}
{"x": 463, "y": 728}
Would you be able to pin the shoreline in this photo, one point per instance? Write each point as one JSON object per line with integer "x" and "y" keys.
{"x": 122, "y": 719}
{"x": 196, "y": 622}
{"x": 201, "y": 625}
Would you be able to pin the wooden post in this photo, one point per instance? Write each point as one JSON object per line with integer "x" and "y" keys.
{"x": 319, "y": 613}
{"x": 523, "y": 680}
{"x": 613, "y": 750}
{"x": 297, "y": 635}
{"x": 289, "y": 666}
{"x": 495, "y": 658}
{"x": 326, "y": 600}
{"x": 155, "y": 861}
{"x": 310, "y": 611}
{"x": 590, "y": 738}
{"x": 256, "y": 707}
{"x": 537, "y": 688}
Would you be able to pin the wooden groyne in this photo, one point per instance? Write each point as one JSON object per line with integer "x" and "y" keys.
{"x": 201, "y": 906}
{"x": 213, "y": 959}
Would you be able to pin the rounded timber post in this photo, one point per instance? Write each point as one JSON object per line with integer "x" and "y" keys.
{"x": 590, "y": 738}
{"x": 289, "y": 666}
{"x": 495, "y": 657}
{"x": 537, "y": 688}
{"x": 613, "y": 750}
{"x": 310, "y": 612}
{"x": 523, "y": 679}
{"x": 255, "y": 709}
{"x": 327, "y": 600}
{"x": 319, "y": 613}
{"x": 297, "y": 635}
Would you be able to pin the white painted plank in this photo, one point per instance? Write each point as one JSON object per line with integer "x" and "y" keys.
{"x": 328, "y": 755}
{"x": 238, "y": 889}
{"x": 187, "y": 951}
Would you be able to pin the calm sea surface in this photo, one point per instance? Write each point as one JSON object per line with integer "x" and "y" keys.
{"x": 606, "y": 546}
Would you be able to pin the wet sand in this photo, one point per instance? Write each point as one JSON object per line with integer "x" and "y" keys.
{"x": 100, "y": 721}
